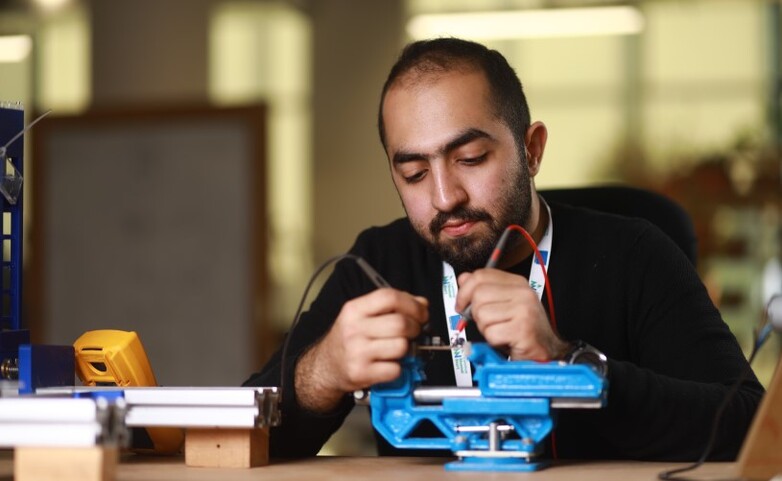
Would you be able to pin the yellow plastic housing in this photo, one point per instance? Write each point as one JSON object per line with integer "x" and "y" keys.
{"x": 112, "y": 358}
{"x": 117, "y": 358}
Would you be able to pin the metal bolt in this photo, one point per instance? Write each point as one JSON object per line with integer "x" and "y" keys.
{"x": 494, "y": 437}
{"x": 361, "y": 396}
{"x": 9, "y": 369}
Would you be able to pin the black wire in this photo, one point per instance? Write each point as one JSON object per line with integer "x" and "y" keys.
{"x": 284, "y": 353}
{"x": 669, "y": 475}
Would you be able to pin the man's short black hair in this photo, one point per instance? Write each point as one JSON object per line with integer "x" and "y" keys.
{"x": 448, "y": 54}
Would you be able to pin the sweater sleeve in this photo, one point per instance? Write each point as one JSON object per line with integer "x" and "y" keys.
{"x": 301, "y": 432}
{"x": 681, "y": 360}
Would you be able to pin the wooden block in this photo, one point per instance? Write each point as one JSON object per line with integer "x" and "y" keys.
{"x": 761, "y": 453}
{"x": 95, "y": 463}
{"x": 227, "y": 448}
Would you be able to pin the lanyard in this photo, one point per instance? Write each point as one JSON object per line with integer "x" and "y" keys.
{"x": 461, "y": 366}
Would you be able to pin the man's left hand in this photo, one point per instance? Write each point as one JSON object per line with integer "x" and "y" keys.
{"x": 509, "y": 314}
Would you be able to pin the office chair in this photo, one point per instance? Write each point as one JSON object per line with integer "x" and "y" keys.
{"x": 658, "y": 209}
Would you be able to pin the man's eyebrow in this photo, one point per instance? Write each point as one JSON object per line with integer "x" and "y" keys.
{"x": 462, "y": 139}
{"x": 465, "y": 138}
{"x": 402, "y": 157}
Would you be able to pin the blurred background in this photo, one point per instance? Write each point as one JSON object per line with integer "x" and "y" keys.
{"x": 204, "y": 156}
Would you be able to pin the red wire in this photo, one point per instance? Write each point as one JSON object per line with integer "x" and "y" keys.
{"x": 550, "y": 300}
{"x": 549, "y": 297}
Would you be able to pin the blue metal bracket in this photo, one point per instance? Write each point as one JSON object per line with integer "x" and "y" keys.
{"x": 45, "y": 366}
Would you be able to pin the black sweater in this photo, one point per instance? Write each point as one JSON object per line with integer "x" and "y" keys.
{"x": 619, "y": 284}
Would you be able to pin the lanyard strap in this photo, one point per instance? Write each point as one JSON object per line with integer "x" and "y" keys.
{"x": 461, "y": 366}
{"x": 537, "y": 281}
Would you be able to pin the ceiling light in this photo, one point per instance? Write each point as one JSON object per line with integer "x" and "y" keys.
{"x": 514, "y": 24}
{"x": 51, "y": 5}
{"x": 15, "y": 48}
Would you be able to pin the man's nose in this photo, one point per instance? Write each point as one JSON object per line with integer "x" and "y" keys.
{"x": 448, "y": 193}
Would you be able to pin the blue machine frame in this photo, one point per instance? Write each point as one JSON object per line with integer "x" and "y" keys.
{"x": 33, "y": 365}
{"x": 11, "y": 333}
{"x": 11, "y": 123}
{"x": 501, "y": 424}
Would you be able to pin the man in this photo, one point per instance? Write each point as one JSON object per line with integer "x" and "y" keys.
{"x": 463, "y": 155}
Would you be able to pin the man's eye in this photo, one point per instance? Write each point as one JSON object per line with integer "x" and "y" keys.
{"x": 474, "y": 160}
{"x": 412, "y": 179}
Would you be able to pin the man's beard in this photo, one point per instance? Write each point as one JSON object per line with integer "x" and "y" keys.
{"x": 468, "y": 253}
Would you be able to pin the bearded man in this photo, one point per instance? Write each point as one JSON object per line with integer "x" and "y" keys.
{"x": 463, "y": 155}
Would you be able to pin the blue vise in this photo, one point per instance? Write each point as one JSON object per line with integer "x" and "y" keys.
{"x": 500, "y": 424}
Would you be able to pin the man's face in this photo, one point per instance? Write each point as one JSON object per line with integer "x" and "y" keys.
{"x": 455, "y": 165}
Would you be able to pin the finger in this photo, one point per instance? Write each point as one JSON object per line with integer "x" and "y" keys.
{"x": 386, "y": 349}
{"x": 355, "y": 313}
{"x": 487, "y": 314}
{"x": 483, "y": 280}
{"x": 426, "y": 326}
{"x": 528, "y": 336}
{"x": 382, "y": 372}
{"x": 463, "y": 277}
{"x": 497, "y": 303}
{"x": 500, "y": 296}
{"x": 506, "y": 332}
{"x": 423, "y": 301}
{"x": 388, "y": 300}
{"x": 525, "y": 312}
{"x": 466, "y": 282}
{"x": 392, "y": 326}
{"x": 360, "y": 376}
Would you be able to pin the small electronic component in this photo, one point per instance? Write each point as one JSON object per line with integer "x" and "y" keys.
{"x": 117, "y": 358}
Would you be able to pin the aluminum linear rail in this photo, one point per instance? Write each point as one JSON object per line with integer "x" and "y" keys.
{"x": 436, "y": 395}
{"x": 61, "y": 422}
{"x": 9, "y": 388}
{"x": 190, "y": 407}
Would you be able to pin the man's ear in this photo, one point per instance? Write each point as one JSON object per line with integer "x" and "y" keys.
{"x": 535, "y": 140}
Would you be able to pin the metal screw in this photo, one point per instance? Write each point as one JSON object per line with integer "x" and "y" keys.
{"x": 361, "y": 396}
{"x": 494, "y": 437}
{"x": 9, "y": 369}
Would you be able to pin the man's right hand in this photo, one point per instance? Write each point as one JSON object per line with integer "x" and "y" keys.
{"x": 363, "y": 347}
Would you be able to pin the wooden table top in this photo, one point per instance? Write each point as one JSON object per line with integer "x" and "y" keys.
{"x": 326, "y": 468}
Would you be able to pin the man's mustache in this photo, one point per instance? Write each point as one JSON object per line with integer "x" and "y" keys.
{"x": 464, "y": 214}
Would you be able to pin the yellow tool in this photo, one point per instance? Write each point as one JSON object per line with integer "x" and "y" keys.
{"x": 112, "y": 358}
{"x": 117, "y": 358}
